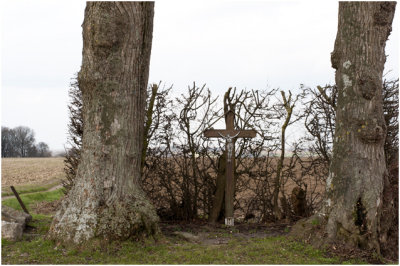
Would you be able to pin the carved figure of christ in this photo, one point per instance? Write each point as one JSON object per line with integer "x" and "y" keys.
{"x": 230, "y": 134}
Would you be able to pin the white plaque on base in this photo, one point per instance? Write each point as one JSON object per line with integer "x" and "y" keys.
{"x": 229, "y": 221}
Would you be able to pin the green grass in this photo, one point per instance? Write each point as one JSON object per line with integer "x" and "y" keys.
{"x": 30, "y": 199}
{"x": 274, "y": 250}
{"x": 36, "y": 249}
{"x": 23, "y": 189}
{"x": 166, "y": 250}
{"x": 41, "y": 223}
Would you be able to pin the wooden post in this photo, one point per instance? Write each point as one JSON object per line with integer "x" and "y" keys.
{"x": 230, "y": 184}
{"x": 19, "y": 200}
{"x": 220, "y": 192}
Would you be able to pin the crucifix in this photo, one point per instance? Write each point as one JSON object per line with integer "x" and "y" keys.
{"x": 230, "y": 134}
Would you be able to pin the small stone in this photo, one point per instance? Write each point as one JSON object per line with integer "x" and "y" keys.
{"x": 10, "y": 215}
{"x": 13, "y": 223}
{"x": 11, "y": 231}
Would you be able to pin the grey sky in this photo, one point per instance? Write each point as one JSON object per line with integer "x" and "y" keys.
{"x": 251, "y": 45}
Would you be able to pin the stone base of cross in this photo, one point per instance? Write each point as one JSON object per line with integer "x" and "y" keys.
{"x": 230, "y": 134}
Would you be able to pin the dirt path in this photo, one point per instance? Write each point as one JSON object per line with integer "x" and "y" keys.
{"x": 218, "y": 234}
{"x": 50, "y": 189}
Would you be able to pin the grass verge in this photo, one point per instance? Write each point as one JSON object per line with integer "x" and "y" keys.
{"x": 30, "y": 199}
{"x": 36, "y": 249}
{"x": 271, "y": 250}
{"x": 24, "y": 189}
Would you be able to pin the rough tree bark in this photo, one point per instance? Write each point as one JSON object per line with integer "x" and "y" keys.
{"x": 357, "y": 173}
{"x": 106, "y": 201}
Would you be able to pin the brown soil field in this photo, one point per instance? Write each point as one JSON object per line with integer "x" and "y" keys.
{"x": 42, "y": 171}
{"x": 31, "y": 171}
{"x": 314, "y": 185}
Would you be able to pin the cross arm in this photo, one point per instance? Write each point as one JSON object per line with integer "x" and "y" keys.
{"x": 214, "y": 133}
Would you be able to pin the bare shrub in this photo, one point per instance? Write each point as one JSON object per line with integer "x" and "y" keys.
{"x": 75, "y": 133}
{"x": 181, "y": 167}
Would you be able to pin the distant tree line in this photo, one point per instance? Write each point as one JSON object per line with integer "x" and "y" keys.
{"x": 20, "y": 142}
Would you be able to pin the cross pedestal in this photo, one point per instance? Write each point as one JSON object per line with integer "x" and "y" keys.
{"x": 230, "y": 135}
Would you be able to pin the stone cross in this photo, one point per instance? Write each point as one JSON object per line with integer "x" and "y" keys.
{"x": 229, "y": 134}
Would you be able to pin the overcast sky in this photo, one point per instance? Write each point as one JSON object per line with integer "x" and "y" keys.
{"x": 253, "y": 45}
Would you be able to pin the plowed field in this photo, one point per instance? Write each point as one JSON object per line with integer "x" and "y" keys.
{"x": 31, "y": 171}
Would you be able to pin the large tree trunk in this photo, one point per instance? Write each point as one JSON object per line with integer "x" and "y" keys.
{"x": 357, "y": 175}
{"x": 107, "y": 201}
